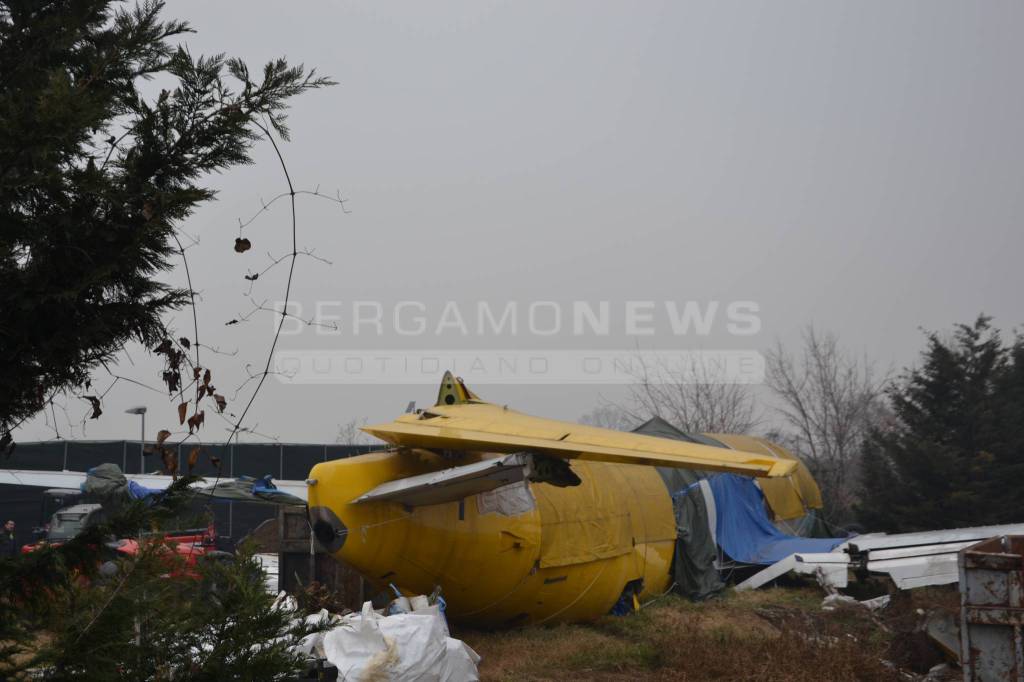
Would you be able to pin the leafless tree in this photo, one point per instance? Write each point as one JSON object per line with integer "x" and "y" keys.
{"x": 828, "y": 401}
{"x": 349, "y": 433}
{"x": 609, "y": 416}
{"x": 697, "y": 398}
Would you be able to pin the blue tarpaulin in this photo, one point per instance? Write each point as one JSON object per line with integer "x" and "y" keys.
{"x": 140, "y": 492}
{"x": 744, "y": 531}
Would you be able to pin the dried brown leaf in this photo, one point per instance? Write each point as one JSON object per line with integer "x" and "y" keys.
{"x": 162, "y": 435}
{"x": 95, "y": 402}
{"x": 173, "y": 380}
{"x": 242, "y": 245}
{"x": 196, "y": 420}
{"x": 193, "y": 457}
{"x": 170, "y": 461}
{"x": 182, "y": 411}
{"x": 222, "y": 403}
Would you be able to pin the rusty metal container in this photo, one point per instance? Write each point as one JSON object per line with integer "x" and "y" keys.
{"x": 302, "y": 560}
{"x": 992, "y": 610}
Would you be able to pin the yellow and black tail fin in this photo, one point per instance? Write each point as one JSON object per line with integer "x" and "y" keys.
{"x": 454, "y": 392}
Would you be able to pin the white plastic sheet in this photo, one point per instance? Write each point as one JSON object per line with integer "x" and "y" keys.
{"x": 406, "y": 646}
{"x": 509, "y": 500}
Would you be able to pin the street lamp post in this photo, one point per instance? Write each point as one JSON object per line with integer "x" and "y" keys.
{"x": 141, "y": 411}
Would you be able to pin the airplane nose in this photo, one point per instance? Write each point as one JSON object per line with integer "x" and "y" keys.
{"x": 329, "y": 530}
{"x": 380, "y": 528}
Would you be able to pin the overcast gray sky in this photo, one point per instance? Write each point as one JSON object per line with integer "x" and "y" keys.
{"x": 858, "y": 165}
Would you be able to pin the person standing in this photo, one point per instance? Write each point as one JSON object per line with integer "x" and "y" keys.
{"x": 8, "y": 541}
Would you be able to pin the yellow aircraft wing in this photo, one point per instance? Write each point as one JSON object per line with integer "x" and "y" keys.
{"x": 475, "y": 425}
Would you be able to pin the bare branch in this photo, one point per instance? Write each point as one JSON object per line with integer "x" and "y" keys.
{"x": 262, "y": 376}
{"x": 349, "y": 433}
{"x": 266, "y": 205}
{"x": 828, "y": 401}
{"x": 251, "y": 277}
{"x": 696, "y": 398}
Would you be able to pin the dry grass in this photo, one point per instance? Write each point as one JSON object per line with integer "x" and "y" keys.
{"x": 773, "y": 634}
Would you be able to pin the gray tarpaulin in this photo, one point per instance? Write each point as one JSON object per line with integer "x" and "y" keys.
{"x": 107, "y": 482}
{"x": 693, "y": 568}
{"x": 249, "y": 489}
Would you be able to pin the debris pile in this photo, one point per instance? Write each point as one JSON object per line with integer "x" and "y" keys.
{"x": 407, "y": 641}
{"x": 976, "y": 627}
{"x": 910, "y": 559}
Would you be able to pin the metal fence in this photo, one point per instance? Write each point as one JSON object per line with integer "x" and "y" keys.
{"x": 291, "y": 461}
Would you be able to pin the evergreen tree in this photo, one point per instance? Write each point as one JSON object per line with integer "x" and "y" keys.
{"x": 95, "y": 178}
{"x": 81, "y": 611}
{"x": 954, "y": 455}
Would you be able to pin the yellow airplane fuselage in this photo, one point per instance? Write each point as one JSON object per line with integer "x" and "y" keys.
{"x": 549, "y": 554}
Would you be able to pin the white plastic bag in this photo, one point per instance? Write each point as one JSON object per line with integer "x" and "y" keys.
{"x": 372, "y": 647}
{"x": 405, "y": 646}
{"x": 460, "y": 662}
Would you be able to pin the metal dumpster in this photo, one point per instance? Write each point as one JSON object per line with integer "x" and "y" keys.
{"x": 992, "y": 610}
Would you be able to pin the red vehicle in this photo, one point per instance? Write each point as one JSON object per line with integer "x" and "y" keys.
{"x": 189, "y": 543}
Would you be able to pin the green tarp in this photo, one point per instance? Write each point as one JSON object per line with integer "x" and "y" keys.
{"x": 693, "y": 566}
